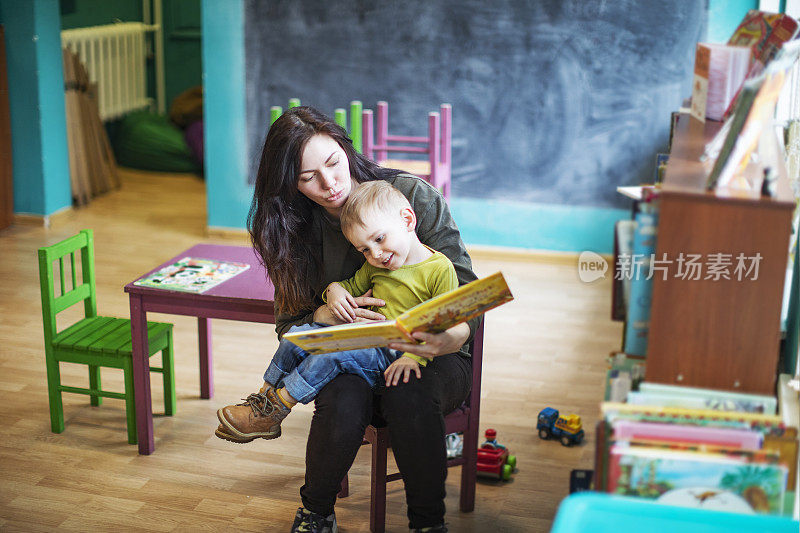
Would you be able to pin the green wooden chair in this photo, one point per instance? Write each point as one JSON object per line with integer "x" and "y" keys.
{"x": 96, "y": 341}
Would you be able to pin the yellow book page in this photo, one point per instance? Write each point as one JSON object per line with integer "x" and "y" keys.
{"x": 347, "y": 337}
{"x": 457, "y": 306}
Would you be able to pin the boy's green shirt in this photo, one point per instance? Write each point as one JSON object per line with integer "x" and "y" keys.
{"x": 405, "y": 287}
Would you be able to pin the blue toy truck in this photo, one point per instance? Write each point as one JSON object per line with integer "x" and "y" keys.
{"x": 566, "y": 429}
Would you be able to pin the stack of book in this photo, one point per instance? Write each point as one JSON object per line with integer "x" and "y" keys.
{"x": 698, "y": 448}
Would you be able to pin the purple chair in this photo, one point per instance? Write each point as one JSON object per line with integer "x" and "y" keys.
{"x": 437, "y": 145}
{"x": 464, "y": 420}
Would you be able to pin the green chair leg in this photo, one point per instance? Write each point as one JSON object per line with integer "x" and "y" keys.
{"x": 53, "y": 382}
{"x": 130, "y": 402}
{"x": 94, "y": 384}
{"x": 168, "y": 366}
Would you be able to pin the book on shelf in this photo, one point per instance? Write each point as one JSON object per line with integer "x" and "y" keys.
{"x": 664, "y": 395}
{"x": 621, "y": 285}
{"x": 637, "y": 319}
{"x": 765, "y": 34}
{"x": 661, "y": 168}
{"x": 624, "y": 374}
{"x": 751, "y": 482}
{"x": 719, "y": 71}
{"x": 678, "y": 456}
{"x": 659, "y": 432}
{"x": 751, "y": 117}
{"x": 432, "y": 316}
{"x": 192, "y": 274}
{"x": 613, "y": 411}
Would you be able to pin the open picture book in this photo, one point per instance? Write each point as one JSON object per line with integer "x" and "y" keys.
{"x": 432, "y": 316}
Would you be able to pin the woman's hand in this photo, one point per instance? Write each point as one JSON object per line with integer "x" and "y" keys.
{"x": 401, "y": 367}
{"x": 325, "y": 315}
{"x": 443, "y": 343}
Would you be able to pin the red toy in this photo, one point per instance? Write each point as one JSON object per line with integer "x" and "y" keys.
{"x": 493, "y": 458}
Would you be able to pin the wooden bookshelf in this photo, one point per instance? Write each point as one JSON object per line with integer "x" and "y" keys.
{"x": 720, "y": 334}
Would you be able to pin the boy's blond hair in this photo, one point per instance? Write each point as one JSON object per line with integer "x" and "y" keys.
{"x": 375, "y": 195}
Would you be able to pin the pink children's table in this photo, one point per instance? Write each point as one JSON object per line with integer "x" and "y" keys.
{"x": 247, "y": 297}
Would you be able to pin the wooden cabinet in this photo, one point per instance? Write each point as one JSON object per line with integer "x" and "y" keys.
{"x": 723, "y": 333}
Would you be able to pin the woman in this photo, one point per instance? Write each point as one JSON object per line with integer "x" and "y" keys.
{"x": 307, "y": 170}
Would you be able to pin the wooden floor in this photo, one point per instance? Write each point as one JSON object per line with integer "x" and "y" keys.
{"x": 547, "y": 348}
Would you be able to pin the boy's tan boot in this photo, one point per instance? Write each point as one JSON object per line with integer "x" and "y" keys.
{"x": 259, "y": 417}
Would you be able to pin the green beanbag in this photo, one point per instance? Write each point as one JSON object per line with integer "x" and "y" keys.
{"x": 151, "y": 142}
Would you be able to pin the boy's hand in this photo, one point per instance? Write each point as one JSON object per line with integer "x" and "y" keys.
{"x": 341, "y": 303}
{"x": 401, "y": 367}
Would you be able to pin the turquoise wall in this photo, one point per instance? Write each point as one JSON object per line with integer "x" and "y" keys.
{"x": 36, "y": 98}
{"x": 225, "y": 126}
{"x": 724, "y": 16}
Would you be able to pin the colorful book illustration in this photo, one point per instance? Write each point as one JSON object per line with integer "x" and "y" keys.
{"x": 676, "y": 396}
{"x": 432, "y": 316}
{"x": 192, "y": 274}
{"x": 724, "y": 482}
{"x": 765, "y": 34}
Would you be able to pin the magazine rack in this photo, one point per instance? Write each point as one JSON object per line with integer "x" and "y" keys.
{"x": 725, "y": 333}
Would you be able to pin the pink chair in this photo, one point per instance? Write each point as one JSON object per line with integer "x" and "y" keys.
{"x": 463, "y": 420}
{"x": 437, "y": 145}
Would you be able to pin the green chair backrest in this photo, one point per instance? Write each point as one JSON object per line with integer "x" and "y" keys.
{"x": 53, "y": 304}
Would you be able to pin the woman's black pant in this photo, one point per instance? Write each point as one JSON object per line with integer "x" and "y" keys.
{"x": 414, "y": 413}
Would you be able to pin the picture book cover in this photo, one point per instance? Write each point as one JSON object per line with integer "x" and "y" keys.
{"x": 697, "y": 398}
{"x": 432, "y": 316}
{"x": 192, "y": 274}
{"x": 764, "y": 33}
{"x": 690, "y": 479}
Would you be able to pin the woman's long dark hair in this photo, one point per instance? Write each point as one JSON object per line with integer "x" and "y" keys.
{"x": 280, "y": 216}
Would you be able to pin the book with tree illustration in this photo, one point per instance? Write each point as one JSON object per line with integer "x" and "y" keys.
{"x": 731, "y": 482}
{"x": 432, "y": 316}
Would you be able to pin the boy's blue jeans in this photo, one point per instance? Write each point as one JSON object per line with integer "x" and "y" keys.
{"x": 304, "y": 374}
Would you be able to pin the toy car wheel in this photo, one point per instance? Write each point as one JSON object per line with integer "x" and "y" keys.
{"x": 512, "y": 461}
{"x": 565, "y": 441}
{"x": 544, "y": 434}
{"x": 506, "y": 474}
{"x": 578, "y": 439}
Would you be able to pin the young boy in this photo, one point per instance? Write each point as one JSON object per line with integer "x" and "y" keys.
{"x": 379, "y": 221}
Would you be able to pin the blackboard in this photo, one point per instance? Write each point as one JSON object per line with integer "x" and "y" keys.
{"x": 554, "y": 101}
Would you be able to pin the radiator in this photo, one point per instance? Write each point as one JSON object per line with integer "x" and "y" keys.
{"x": 114, "y": 55}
